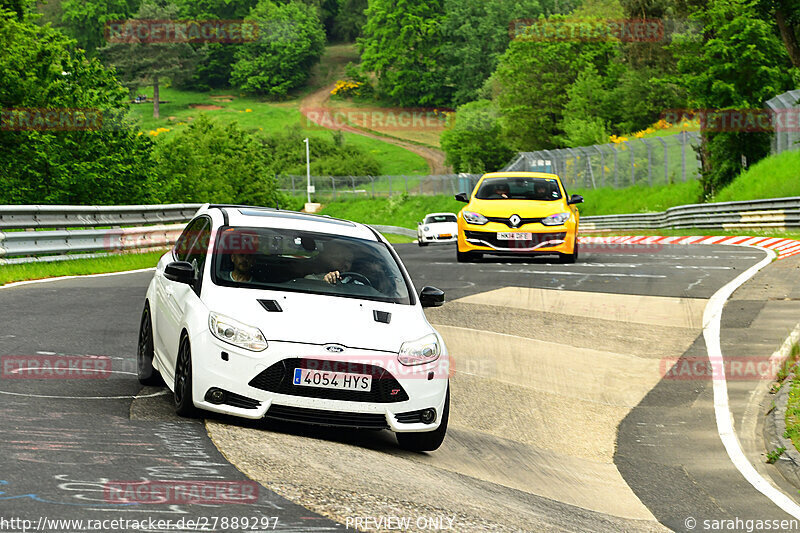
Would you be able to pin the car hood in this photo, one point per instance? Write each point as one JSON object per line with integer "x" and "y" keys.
{"x": 321, "y": 319}
{"x": 523, "y": 208}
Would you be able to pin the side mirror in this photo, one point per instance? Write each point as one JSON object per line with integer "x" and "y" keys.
{"x": 180, "y": 271}
{"x": 575, "y": 199}
{"x": 431, "y": 297}
{"x": 462, "y": 197}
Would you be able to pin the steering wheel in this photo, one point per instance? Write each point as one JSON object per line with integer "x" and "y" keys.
{"x": 354, "y": 276}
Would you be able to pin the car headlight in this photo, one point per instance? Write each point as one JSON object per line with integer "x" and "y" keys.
{"x": 424, "y": 350}
{"x": 426, "y": 228}
{"x": 475, "y": 218}
{"x": 556, "y": 220}
{"x": 234, "y": 332}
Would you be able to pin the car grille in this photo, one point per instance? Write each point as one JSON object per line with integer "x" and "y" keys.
{"x": 327, "y": 418}
{"x": 278, "y": 378}
{"x": 521, "y": 222}
{"x": 491, "y": 238}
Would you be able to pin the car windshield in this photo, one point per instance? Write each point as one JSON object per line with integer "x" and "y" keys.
{"x": 519, "y": 188}
{"x": 302, "y": 261}
{"x": 433, "y": 219}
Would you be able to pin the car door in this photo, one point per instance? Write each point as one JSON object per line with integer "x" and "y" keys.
{"x": 176, "y": 296}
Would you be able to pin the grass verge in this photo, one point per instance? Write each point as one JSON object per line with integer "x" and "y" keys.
{"x": 793, "y": 403}
{"x": 76, "y": 267}
{"x": 400, "y": 210}
{"x": 772, "y": 177}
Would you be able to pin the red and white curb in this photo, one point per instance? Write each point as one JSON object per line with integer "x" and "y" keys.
{"x": 782, "y": 247}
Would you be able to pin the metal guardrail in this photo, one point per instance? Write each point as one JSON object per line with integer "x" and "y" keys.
{"x": 40, "y": 242}
{"x": 80, "y": 216}
{"x": 774, "y": 213}
{"x": 50, "y": 230}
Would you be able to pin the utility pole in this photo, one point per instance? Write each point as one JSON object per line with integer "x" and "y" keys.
{"x": 308, "y": 172}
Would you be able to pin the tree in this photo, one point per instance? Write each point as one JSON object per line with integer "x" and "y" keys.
{"x": 291, "y": 41}
{"x": 402, "y": 44}
{"x": 739, "y": 63}
{"x": 214, "y": 60}
{"x": 474, "y": 143}
{"x": 349, "y": 20}
{"x": 86, "y": 20}
{"x": 209, "y": 162}
{"x": 475, "y": 35}
{"x": 531, "y": 83}
{"x": 583, "y": 123}
{"x": 140, "y": 62}
{"x": 105, "y": 163}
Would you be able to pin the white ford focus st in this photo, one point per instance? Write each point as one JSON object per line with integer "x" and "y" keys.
{"x": 265, "y": 313}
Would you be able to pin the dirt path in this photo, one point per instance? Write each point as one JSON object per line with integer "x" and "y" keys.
{"x": 318, "y": 100}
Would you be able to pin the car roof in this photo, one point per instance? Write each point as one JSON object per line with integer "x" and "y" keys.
{"x": 267, "y": 217}
{"x": 520, "y": 175}
{"x": 438, "y": 214}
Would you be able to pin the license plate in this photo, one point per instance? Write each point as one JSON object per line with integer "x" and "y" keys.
{"x": 514, "y": 236}
{"x": 304, "y": 377}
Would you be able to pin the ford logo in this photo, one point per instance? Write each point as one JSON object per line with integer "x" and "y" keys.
{"x": 334, "y": 348}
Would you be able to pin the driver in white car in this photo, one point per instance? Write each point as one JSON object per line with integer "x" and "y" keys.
{"x": 334, "y": 259}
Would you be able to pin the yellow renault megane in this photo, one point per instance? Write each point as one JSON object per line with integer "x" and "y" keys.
{"x": 518, "y": 213}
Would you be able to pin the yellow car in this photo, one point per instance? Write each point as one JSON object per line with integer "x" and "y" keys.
{"x": 518, "y": 213}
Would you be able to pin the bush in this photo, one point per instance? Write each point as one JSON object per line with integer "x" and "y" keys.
{"x": 291, "y": 40}
{"x": 474, "y": 143}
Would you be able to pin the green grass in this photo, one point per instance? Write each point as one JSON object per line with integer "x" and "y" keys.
{"x": 638, "y": 199}
{"x": 76, "y": 267}
{"x": 772, "y": 177}
{"x": 793, "y": 403}
{"x": 401, "y": 210}
{"x": 398, "y": 239}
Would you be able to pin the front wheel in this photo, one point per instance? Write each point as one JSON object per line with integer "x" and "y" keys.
{"x": 427, "y": 441}
{"x": 144, "y": 354}
{"x": 184, "y": 403}
{"x": 421, "y": 242}
{"x": 570, "y": 258}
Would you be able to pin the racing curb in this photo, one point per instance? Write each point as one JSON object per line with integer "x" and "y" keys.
{"x": 783, "y": 247}
{"x": 788, "y": 464}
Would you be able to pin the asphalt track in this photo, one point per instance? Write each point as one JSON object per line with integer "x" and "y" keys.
{"x": 650, "y": 444}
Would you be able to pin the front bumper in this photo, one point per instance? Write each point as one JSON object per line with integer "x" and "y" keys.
{"x": 437, "y": 238}
{"x": 244, "y": 374}
{"x": 544, "y": 239}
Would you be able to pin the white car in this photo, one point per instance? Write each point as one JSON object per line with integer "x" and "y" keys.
{"x": 437, "y": 227}
{"x": 264, "y": 313}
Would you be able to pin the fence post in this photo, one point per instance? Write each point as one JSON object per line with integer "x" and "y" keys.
{"x": 602, "y": 166}
{"x": 405, "y": 178}
{"x": 333, "y": 185}
{"x": 293, "y": 193}
{"x": 372, "y": 183}
{"x": 353, "y": 181}
{"x": 616, "y": 160}
{"x": 390, "y": 186}
{"x": 683, "y": 155}
{"x": 649, "y": 162}
{"x": 666, "y": 160}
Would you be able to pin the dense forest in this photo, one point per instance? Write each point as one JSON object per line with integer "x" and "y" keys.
{"x": 512, "y": 85}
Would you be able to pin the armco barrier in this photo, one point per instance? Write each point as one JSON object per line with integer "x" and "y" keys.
{"x": 774, "y": 213}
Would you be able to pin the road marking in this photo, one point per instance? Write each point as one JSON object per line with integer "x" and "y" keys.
{"x": 28, "y": 395}
{"x": 565, "y": 273}
{"x": 725, "y": 425}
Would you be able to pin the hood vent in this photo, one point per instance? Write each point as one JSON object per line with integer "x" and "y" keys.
{"x": 382, "y": 316}
{"x": 271, "y": 305}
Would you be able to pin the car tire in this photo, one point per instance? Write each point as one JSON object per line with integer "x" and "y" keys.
{"x": 468, "y": 257}
{"x": 421, "y": 243}
{"x": 144, "y": 354}
{"x": 184, "y": 402}
{"x": 427, "y": 441}
{"x": 570, "y": 258}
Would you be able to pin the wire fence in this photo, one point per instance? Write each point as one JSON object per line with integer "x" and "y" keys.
{"x": 785, "y": 138}
{"x": 340, "y": 187}
{"x": 650, "y": 161}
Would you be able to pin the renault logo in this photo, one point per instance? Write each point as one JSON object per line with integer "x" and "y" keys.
{"x": 514, "y": 220}
{"x": 334, "y": 348}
